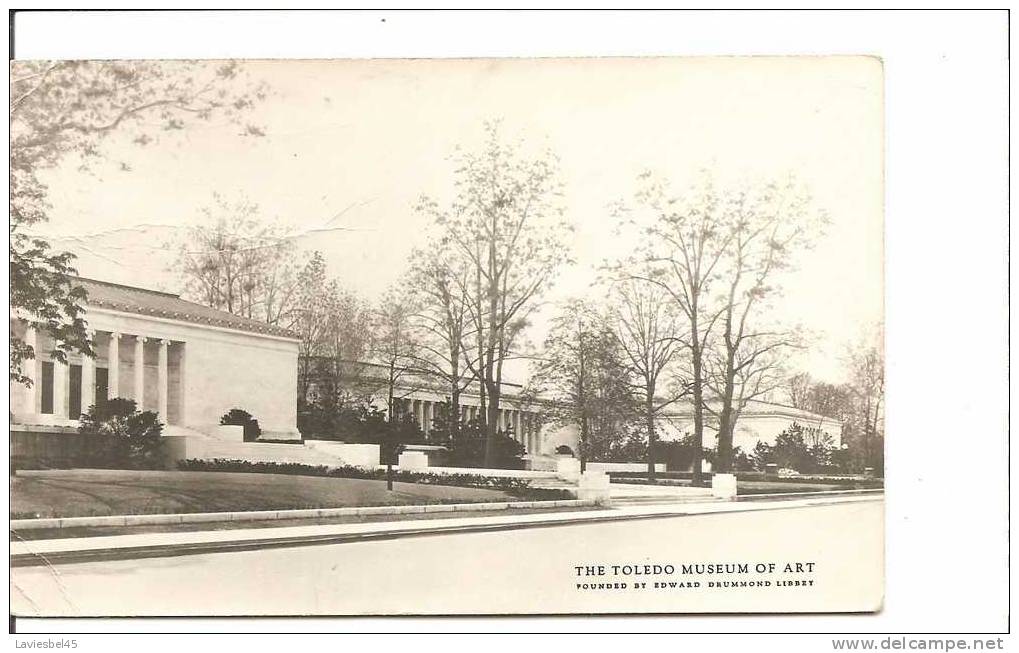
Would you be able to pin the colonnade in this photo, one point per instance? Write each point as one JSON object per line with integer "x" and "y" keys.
{"x": 521, "y": 425}
{"x": 117, "y": 345}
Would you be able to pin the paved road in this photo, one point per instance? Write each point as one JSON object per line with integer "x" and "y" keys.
{"x": 527, "y": 570}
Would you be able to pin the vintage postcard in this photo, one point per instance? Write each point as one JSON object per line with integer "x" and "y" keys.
{"x": 446, "y": 337}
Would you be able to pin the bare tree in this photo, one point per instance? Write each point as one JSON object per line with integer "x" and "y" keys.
{"x": 867, "y": 385}
{"x": 798, "y": 389}
{"x": 681, "y": 254}
{"x": 334, "y": 327}
{"x": 764, "y": 226}
{"x": 758, "y": 373}
{"x": 443, "y": 325}
{"x": 506, "y": 224}
{"x": 647, "y": 328}
{"x": 235, "y": 262}
{"x": 394, "y": 346}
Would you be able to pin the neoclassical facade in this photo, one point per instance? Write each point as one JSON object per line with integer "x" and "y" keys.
{"x": 423, "y": 398}
{"x": 189, "y": 363}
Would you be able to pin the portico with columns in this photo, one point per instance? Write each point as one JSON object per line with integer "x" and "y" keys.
{"x": 518, "y": 420}
{"x": 145, "y": 369}
{"x": 189, "y": 363}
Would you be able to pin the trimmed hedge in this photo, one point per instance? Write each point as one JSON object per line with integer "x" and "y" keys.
{"x": 515, "y": 486}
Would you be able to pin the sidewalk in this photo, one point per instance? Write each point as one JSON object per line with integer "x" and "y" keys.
{"x": 146, "y": 545}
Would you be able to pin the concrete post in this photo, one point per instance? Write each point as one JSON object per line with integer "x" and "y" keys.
{"x": 723, "y": 486}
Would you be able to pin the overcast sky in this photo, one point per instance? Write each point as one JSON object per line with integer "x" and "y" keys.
{"x": 351, "y": 145}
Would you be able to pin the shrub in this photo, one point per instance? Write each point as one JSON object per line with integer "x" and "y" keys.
{"x": 133, "y": 437}
{"x": 791, "y": 450}
{"x": 515, "y": 486}
{"x": 469, "y": 451}
{"x": 238, "y": 417}
{"x": 678, "y": 454}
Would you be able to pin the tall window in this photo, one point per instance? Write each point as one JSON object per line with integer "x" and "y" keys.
{"x": 46, "y": 388}
{"x": 102, "y": 386}
{"x": 74, "y": 394}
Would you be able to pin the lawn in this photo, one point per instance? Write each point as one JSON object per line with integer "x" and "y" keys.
{"x": 89, "y": 492}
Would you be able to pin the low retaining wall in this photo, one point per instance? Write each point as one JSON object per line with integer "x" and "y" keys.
{"x": 482, "y": 471}
{"x": 56, "y": 446}
{"x": 266, "y": 515}
{"x": 311, "y": 452}
{"x": 623, "y": 467}
{"x": 360, "y": 455}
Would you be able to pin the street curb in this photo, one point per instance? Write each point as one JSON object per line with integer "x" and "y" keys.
{"x": 810, "y": 495}
{"x": 29, "y": 558}
{"x": 268, "y": 515}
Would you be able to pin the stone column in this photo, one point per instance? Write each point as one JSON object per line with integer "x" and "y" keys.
{"x": 88, "y": 379}
{"x": 418, "y": 411}
{"x": 113, "y": 379}
{"x": 182, "y": 404}
{"x": 429, "y": 412}
{"x": 164, "y": 376}
{"x": 29, "y": 370}
{"x": 139, "y": 372}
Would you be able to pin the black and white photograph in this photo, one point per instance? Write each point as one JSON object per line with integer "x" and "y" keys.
{"x": 411, "y": 336}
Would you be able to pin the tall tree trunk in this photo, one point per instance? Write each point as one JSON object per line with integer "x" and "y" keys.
{"x": 585, "y": 439}
{"x": 652, "y": 438}
{"x": 454, "y": 408}
{"x": 698, "y": 409}
{"x": 726, "y": 424}
{"x": 390, "y": 394}
{"x": 492, "y": 424}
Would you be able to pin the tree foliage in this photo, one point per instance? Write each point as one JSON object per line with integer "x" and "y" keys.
{"x": 584, "y": 375}
{"x": 44, "y": 295}
{"x": 802, "y": 448}
{"x": 62, "y": 111}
